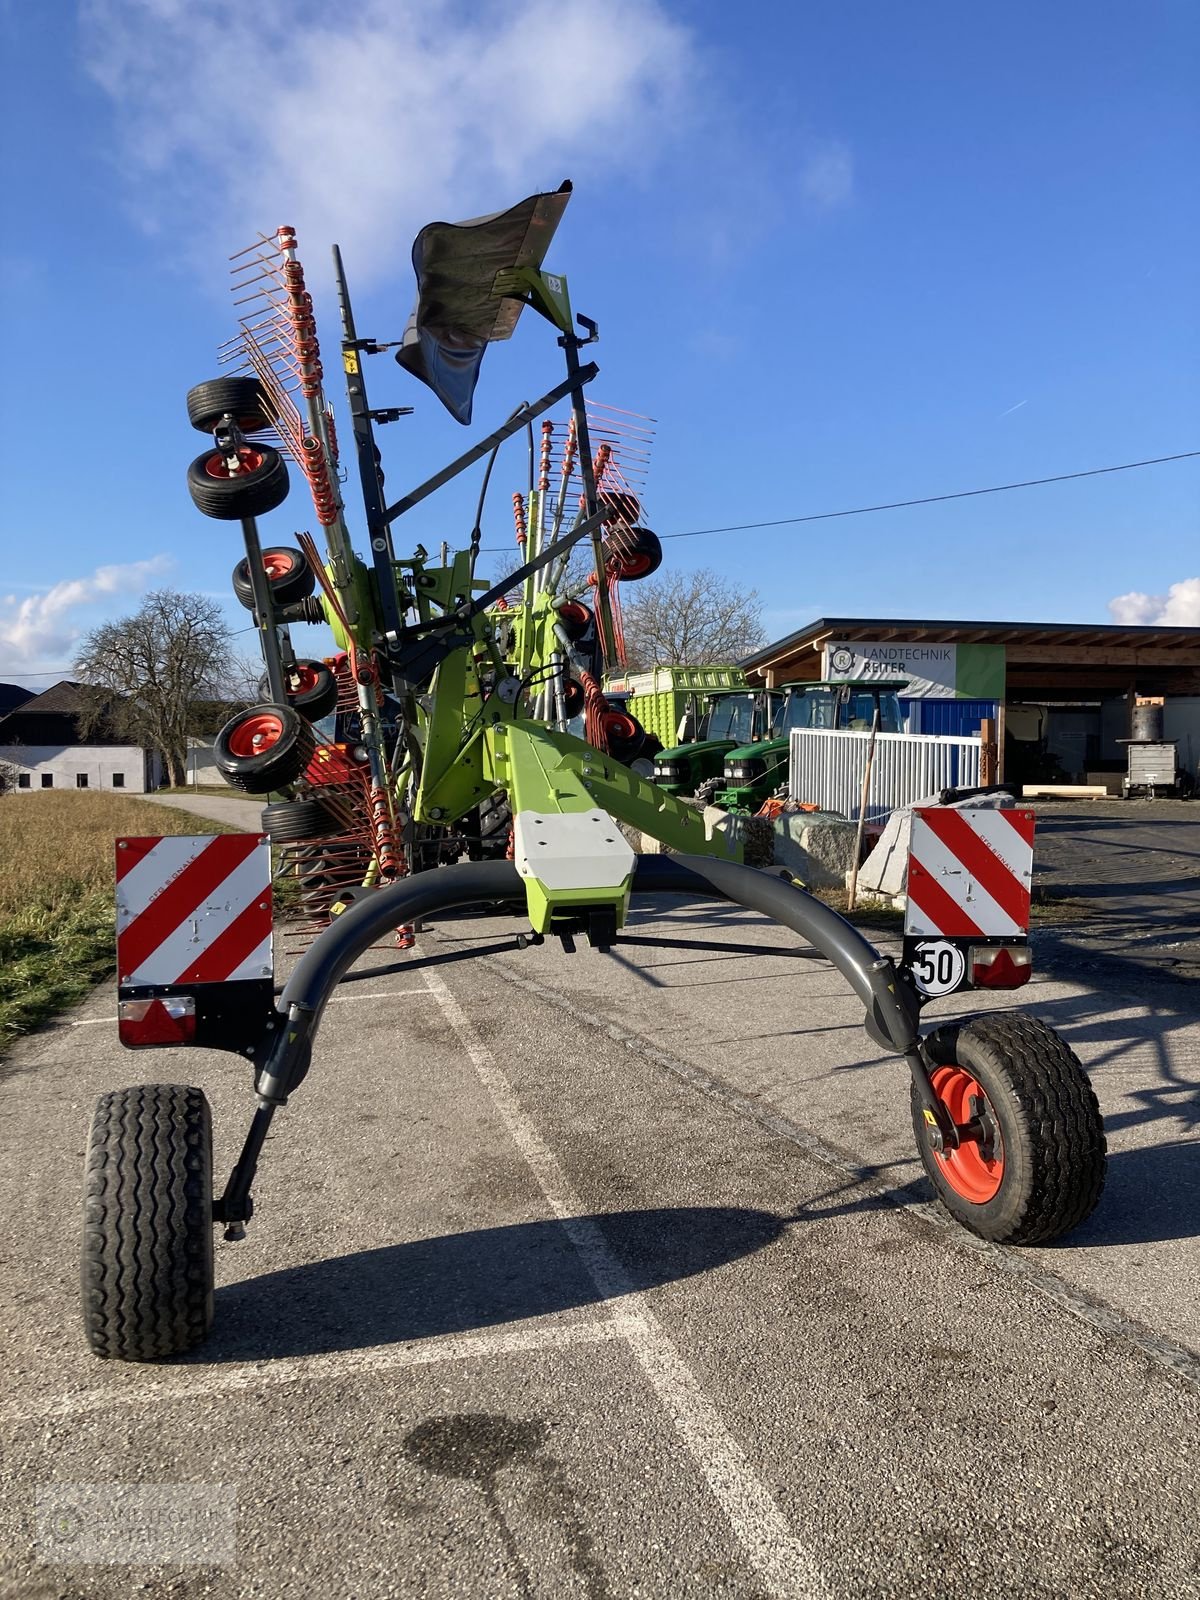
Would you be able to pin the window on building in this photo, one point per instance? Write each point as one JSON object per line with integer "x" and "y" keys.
{"x": 118, "y": 780}
{"x": 81, "y": 780}
{"x": 47, "y": 780}
{"x": 22, "y": 780}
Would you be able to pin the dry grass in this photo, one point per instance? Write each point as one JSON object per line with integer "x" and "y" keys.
{"x": 57, "y": 919}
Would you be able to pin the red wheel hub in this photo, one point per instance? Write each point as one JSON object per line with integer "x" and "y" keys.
{"x": 632, "y": 566}
{"x": 303, "y": 680}
{"x": 970, "y": 1171}
{"x": 249, "y": 460}
{"x": 277, "y": 564}
{"x": 618, "y": 726}
{"x": 256, "y": 734}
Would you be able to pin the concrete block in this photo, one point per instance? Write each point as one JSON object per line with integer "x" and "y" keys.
{"x": 885, "y": 871}
{"x": 817, "y": 847}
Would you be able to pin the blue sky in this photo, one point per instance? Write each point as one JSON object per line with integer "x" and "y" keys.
{"x": 843, "y": 254}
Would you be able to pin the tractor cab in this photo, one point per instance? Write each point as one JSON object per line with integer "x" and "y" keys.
{"x": 753, "y": 772}
{"x": 727, "y": 719}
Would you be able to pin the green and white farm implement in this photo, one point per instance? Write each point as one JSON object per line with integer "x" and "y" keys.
{"x": 452, "y": 780}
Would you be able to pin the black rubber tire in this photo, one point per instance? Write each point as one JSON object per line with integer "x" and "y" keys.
{"x": 315, "y": 701}
{"x": 248, "y": 494}
{"x": 634, "y": 554}
{"x": 708, "y": 790}
{"x": 244, "y": 399}
{"x": 1049, "y": 1122}
{"x": 147, "y": 1265}
{"x": 289, "y": 583}
{"x": 574, "y": 698}
{"x": 297, "y": 821}
{"x": 575, "y": 619}
{"x": 280, "y": 764}
{"x": 495, "y": 825}
{"x": 621, "y": 747}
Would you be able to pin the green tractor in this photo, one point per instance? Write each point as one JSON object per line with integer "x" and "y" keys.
{"x": 729, "y": 719}
{"x": 754, "y": 771}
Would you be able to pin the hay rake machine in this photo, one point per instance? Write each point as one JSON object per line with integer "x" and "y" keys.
{"x": 452, "y": 701}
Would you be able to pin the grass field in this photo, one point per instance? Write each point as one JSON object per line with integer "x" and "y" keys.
{"x": 57, "y": 919}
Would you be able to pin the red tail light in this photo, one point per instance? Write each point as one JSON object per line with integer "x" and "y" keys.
{"x": 146, "y": 1022}
{"x": 1000, "y": 966}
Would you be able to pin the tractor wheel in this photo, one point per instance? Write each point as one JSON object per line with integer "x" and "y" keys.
{"x": 289, "y": 577}
{"x": 147, "y": 1269}
{"x": 297, "y": 821}
{"x": 263, "y": 748}
{"x": 311, "y": 688}
{"x": 633, "y": 553}
{"x": 707, "y": 792}
{"x": 244, "y": 399}
{"x": 1031, "y": 1162}
{"x": 495, "y": 825}
{"x": 258, "y": 484}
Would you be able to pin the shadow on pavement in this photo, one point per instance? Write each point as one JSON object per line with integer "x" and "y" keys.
{"x": 459, "y": 1282}
{"x": 1152, "y": 1194}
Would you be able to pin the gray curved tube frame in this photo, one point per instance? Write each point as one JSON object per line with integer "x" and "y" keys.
{"x": 892, "y": 1007}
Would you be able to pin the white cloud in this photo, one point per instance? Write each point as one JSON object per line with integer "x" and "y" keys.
{"x": 42, "y": 628}
{"x": 1178, "y": 608}
{"x": 358, "y": 125}
{"x": 827, "y": 175}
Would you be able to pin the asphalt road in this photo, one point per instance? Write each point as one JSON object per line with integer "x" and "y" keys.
{"x": 611, "y": 1276}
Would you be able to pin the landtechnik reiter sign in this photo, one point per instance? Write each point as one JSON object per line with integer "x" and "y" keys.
{"x": 934, "y": 671}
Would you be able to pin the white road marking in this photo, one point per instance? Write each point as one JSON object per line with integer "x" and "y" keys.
{"x": 786, "y": 1566}
{"x": 212, "y": 1382}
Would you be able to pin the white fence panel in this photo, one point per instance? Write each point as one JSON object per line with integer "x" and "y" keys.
{"x": 826, "y": 769}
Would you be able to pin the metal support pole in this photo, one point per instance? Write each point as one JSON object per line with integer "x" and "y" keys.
{"x": 382, "y": 552}
{"x": 264, "y": 612}
{"x": 604, "y": 621}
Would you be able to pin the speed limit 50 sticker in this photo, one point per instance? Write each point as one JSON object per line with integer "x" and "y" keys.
{"x": 937, "y": 966}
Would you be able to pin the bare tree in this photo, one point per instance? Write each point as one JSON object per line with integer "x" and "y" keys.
{"x": 147, "y": 675}
{"x": 689, "y": 619}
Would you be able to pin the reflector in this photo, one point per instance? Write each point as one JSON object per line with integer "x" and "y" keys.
{"x": 1000, "y": 966}
{"x": 157, "y": 1022}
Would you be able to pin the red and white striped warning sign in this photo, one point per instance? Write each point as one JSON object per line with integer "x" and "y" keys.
{"x": 194, "y": 910}
{"x": 969, "y": 873}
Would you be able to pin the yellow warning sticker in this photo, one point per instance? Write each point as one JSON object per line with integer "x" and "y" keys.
{"x": 350, "y": 361}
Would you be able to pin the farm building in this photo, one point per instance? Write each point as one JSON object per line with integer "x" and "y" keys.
{"x": 1062, "y": 694}
{"x": 41, "y": 739}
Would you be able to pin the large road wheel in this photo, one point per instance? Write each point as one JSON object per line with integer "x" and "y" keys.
{"x": 1031, "y": 1159}
{"x": 147, "y": 1266}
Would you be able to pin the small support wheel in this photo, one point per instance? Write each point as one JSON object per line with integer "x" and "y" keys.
{"x": 1030, "y": 1160}
{"x": 289, "y": 577}
{"x": 310, "y": 686}
{"x": 257, "y": 484}
{"x": 147, "y": 1267}
{"x": 244, "y": 399}
{"x": 632, "y": 553}
{"x": 298, "y": 821}
{"x": 263, "y": 748}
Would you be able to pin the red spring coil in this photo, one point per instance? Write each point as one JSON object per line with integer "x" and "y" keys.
{"x": 383, "y": 835}
{"x": 594, "y": 707}
{"x": 519, "y": 518}
{"x": 569, "y": 452}
{"x": 544, "y": 464}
